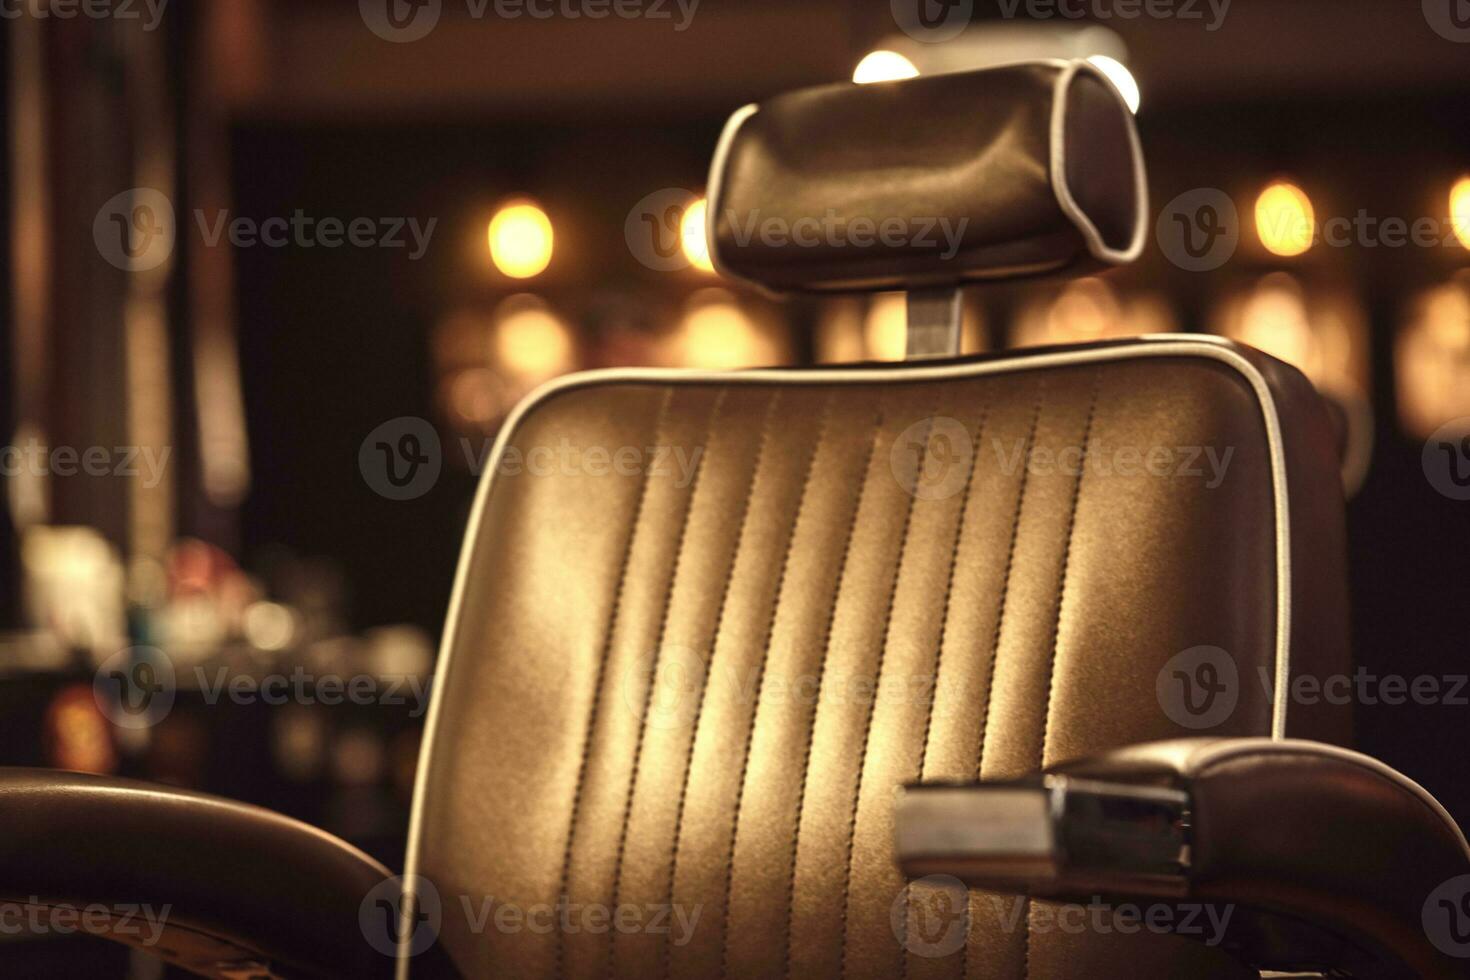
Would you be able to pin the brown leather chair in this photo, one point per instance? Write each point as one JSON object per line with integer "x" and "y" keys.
{"x": 685, "y": 683}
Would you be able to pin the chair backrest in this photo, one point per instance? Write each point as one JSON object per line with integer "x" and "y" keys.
{"x": 704, "y": 625}
{"x": 693, "y": 650}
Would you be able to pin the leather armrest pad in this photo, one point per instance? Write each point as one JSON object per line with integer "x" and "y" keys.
{"x": 256, "y": 880}
{"x": 1308, "y": 830}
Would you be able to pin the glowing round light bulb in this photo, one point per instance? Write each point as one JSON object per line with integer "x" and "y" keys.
{"x": 1460, "y": 210}
{"x": 1285, "y": 220}
{"x": 520, "y": 240}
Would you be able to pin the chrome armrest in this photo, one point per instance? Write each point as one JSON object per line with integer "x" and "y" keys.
{"x": 1048, "y": 835}
{"x": 1328, "y": 860}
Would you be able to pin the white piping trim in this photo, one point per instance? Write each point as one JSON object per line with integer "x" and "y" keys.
{"x": 714, "y": 194}
{"x": 1100, "y": 249}
{"x": 1156, "y": 345}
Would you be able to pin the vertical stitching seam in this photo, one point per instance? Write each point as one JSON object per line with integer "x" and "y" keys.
{"x": 1000, "y": 615}
{"x": 857, "y": 795}
{"x": 613, "y": 619}
{"x": 663, "y": 626}
{"x": 821, "y": 678}
{"x": 1005, "y": 588}
{"x": 954, "y": 554}
{"x": 1056, "y": 631}
{"x": 760, "y": 686}
{"x": 740, "y": 534}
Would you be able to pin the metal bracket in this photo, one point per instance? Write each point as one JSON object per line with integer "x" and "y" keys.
{"x": 1048, "y": 835}
{"x": 933, "y": 323}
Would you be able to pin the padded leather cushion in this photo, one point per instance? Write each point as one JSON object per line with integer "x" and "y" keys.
{"x": 777, "y": 577}
{"x": 1026, "y": 169}
{"x": 1326, "y": 836}
{"x": 239, "y": 882}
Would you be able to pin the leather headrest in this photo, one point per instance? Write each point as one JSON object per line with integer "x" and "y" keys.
{"x": 1025, "y": 169}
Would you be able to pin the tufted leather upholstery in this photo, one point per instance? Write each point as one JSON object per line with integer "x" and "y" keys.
{"x": 699, "y": 682}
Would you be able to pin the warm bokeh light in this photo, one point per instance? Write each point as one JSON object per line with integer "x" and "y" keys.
{"x": 875, "y": 328}
{"x": 1273, "y": 318}
{"x": 77, "y": 734}
{"x": 1460, "y": 209}
{"x": 530, "y": 341}
{"x": 883, "y": 66}
{"x": 885, "y": 328}
{"x": 693, "y": 238}
{"x": 1323, "y": 332}
{"x": 75, "y": 581}
{"x": 717, "y": 334}
{"x": 1432, "y": 359}
{"x": 268, "y": 625}
{"x": 1285, "y": 220}
{"x": 1086, "y": 310}
{"x": 839, "y": 335}
{"x": 1121, "y": 78}
{"x": 520, "y": 240}
{"x": 473, "y": 396}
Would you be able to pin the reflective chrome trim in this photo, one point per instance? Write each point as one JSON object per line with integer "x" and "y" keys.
{"x": 1156, "y": 345}
{"x": 935, "y": 321}
{"x": 1046, "y": 835}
